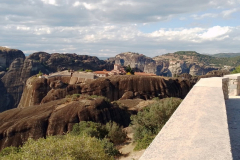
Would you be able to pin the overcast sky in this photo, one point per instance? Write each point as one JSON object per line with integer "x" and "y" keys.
{"x": 109, "y": 27}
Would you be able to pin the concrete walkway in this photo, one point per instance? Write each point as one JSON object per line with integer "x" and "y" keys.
{"x": 233, "y": 116}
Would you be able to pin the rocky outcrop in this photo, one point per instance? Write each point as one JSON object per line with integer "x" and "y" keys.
{"x": 170, "y": 65}
{"x": 55, "y": 118}
{"x": 139, "y": 62}
{"x": 15, "y": 69}
{"x": 7, "y": 56}
{"x": 39, "y": 91}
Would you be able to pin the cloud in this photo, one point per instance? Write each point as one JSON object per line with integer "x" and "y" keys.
{"x": 227, "y": 13}
{"x": 215, "y": 33}
{"x": 205, "y": 15}
{"x": 51, "y": 2}
{"x": 105, "y": 27}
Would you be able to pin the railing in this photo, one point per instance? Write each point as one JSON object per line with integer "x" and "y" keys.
{"x": 198, "y": 129}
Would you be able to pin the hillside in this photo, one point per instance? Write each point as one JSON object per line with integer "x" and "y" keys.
{"x": 226, "y": 55}
{"x": 201, "y": 59}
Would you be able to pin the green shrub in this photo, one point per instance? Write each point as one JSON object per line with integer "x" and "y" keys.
{"x": 94, "y": 96}
{"x": 156, "y": 99}
{"x": 9, "y": 150}
{"x": 115, "y": 133}
{"x": 73, "y": 97}
{"x": 40, "y": 73}
{"x": 61, "y": 148}
{"x": 88, "y": 70}
{"x": 237, "y": 70}
{"x": 111, "y": 132}
{"x": 109, "y": 147}
{"x": 89, "y": 128}
{"x": 68, "y": 96}
{"x": 152, "y": 118}
{"x": 144, "y": 142}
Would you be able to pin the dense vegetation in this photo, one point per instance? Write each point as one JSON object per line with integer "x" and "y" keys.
{"x": 87, "y": 140}
{"x": 148, "y": 122}
{"x": 58, "y": 147}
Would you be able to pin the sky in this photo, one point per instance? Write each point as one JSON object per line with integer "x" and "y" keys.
{"x": 105, "y": 28}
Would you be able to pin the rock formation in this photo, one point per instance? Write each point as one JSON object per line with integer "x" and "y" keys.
{"x": 7, "y": 56}
{"x": 15, "y": 69}
{"x": 39, "y": 91}
{"x": 170, "y": 65}
{"x": 55, "y": 118}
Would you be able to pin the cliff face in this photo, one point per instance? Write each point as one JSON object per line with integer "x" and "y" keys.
{"x": 15, "y": 69}
{"x": 7, "y": 56}
{"x": 165, "y": 65}
{"x": 11, "y": 63}
{"x": 39, "y": 91}
{"x": 55, "y": 118}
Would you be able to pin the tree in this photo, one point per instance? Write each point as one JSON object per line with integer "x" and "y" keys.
{"x": 129, "y": 69}
{"x": 40, "y": 73}
{"x": 237, "y": 70}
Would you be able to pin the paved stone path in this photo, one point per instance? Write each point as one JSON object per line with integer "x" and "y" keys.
{"x": 233, "y": 115}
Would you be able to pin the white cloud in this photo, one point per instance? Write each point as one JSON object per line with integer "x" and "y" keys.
{"x": 215, "y": 33}
{"x": 51, "y": 2}
{"x": 77, "y": 3}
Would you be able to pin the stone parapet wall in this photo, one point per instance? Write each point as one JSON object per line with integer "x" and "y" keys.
{"x": 198, "y": 129}
{"x": 225, "y": 82}
{"x": 234, "y": 84}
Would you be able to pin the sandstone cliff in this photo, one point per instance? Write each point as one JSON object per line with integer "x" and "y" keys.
{"x": 55, "y": 118}
{"x": 39, "y": 91}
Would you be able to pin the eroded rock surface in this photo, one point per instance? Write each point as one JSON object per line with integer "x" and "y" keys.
{"x": 55, "y": 118}
{"x": 38, "y": 91}
{"x": 171, "y": 64}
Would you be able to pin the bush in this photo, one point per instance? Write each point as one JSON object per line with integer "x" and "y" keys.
{"x": 75, "y": 97}
{"x": 109, "y": 147}
{"x": 144, "y": 142}
{"x": 115, "y": 133}
{"x": 156, "y": 99}
{"x": 111, "y": 131}
{"x": 94, "y": 96}
{"x": 9, "y": 150}
{"x": 151, "y": 119}
{"x": 61, "y": 147}
{"x": 237, "y": 70}
{"x": 89, "y": 128}
{"x": 88, "y": 70}
{"x": 40, "y": 73}
{"x": 68, "y": 96}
